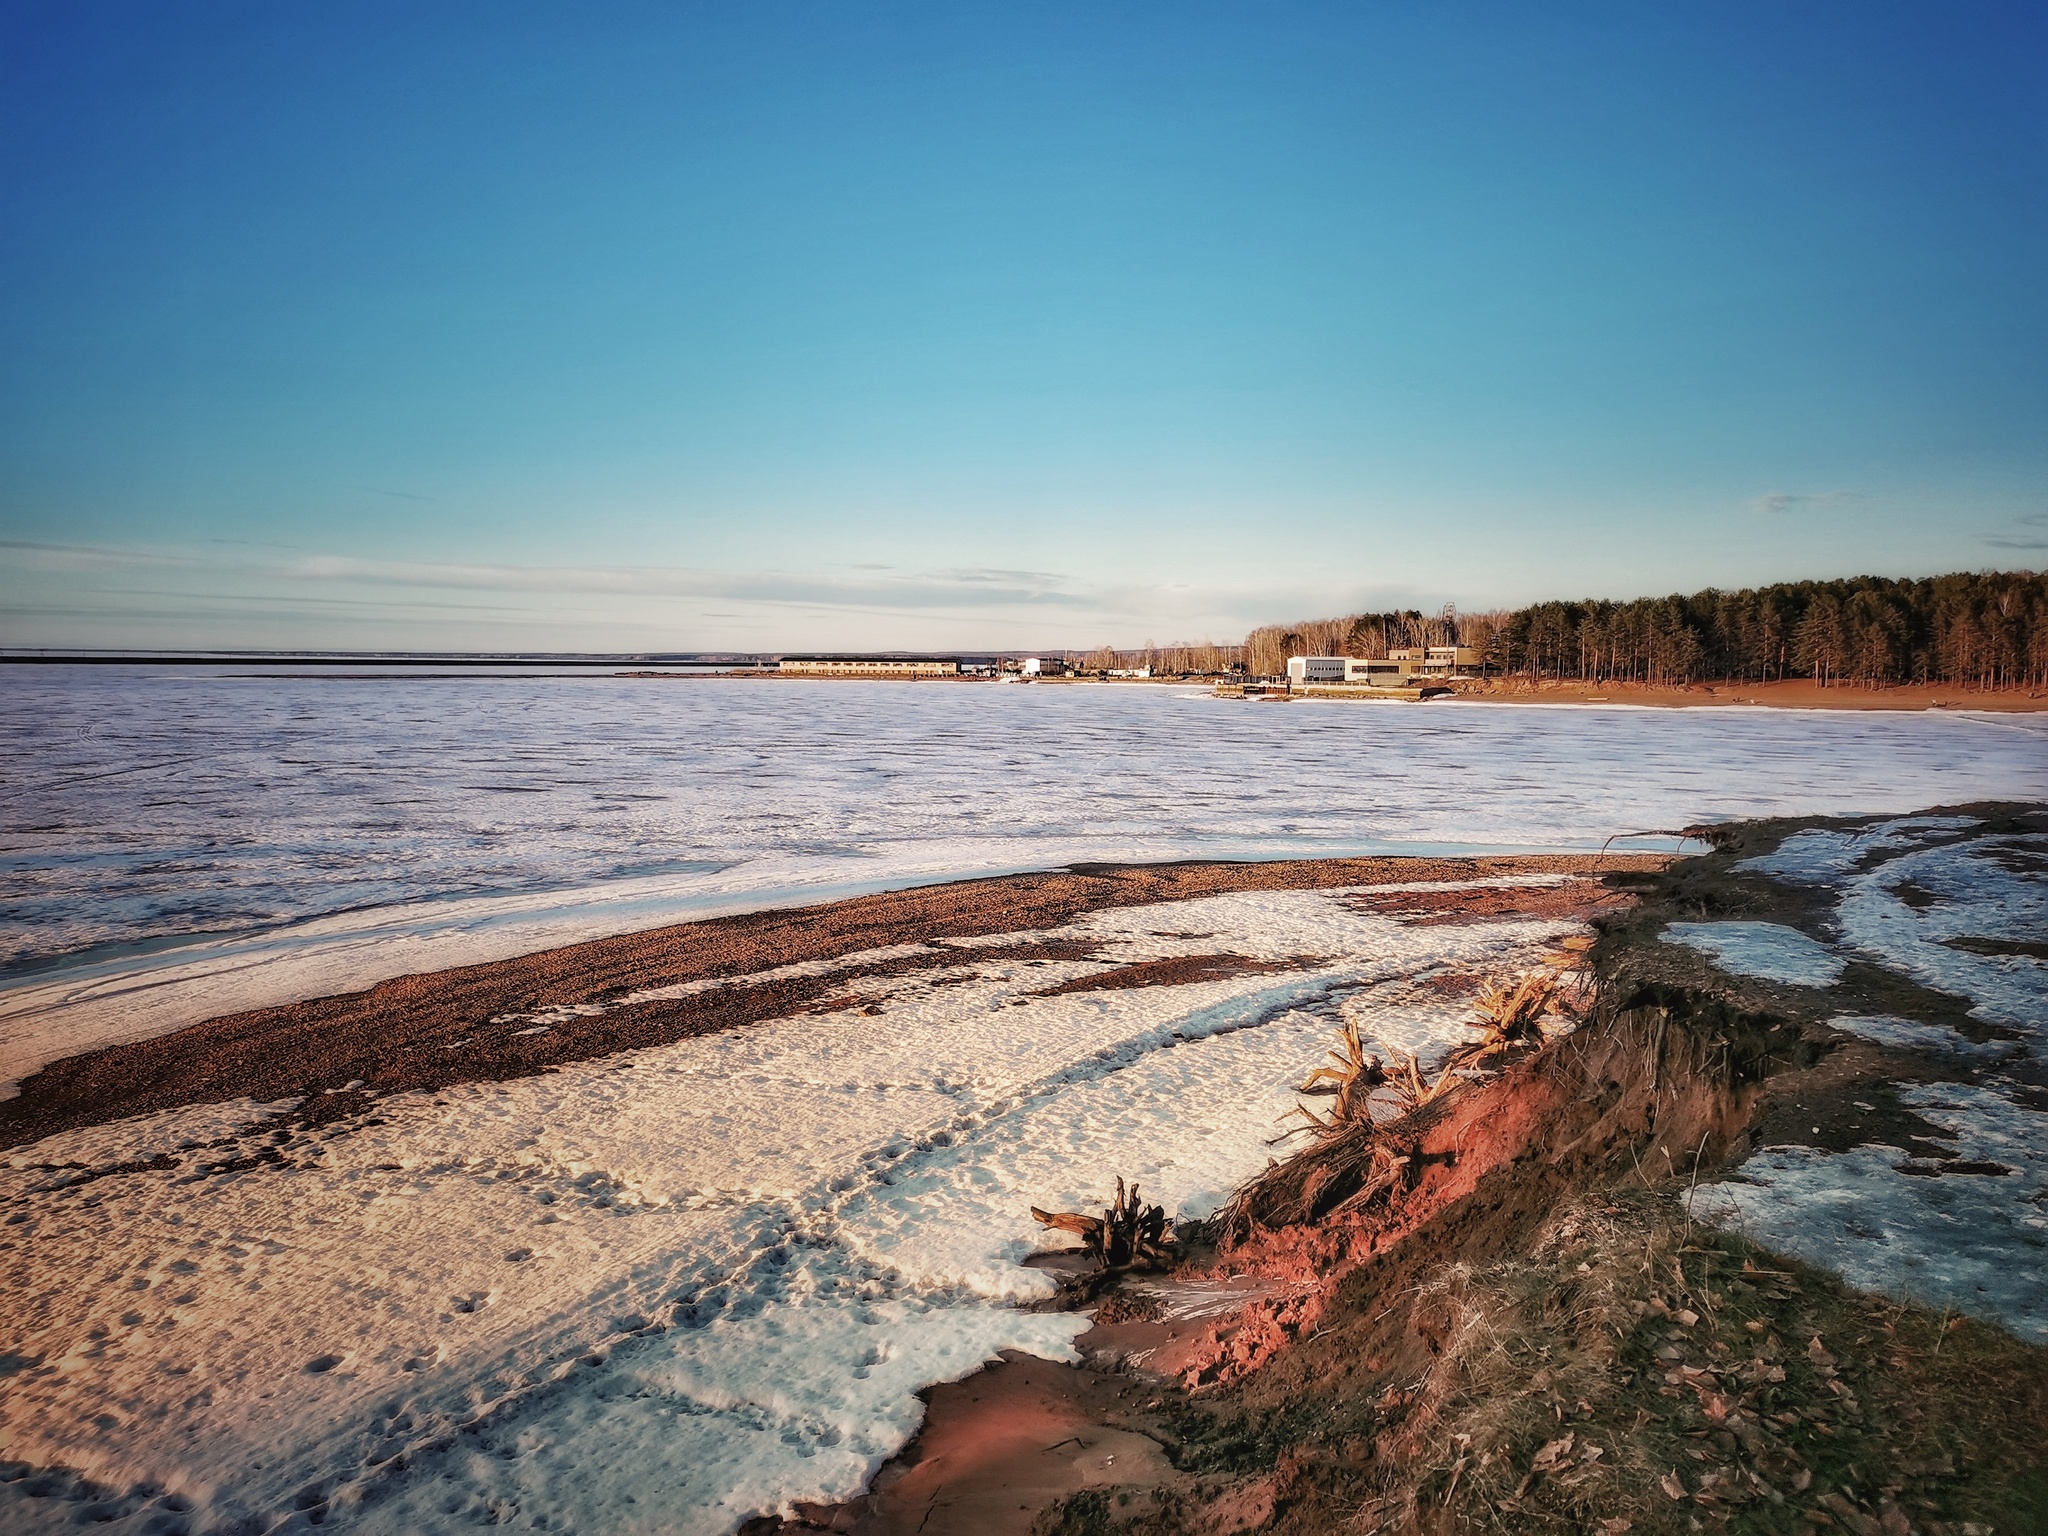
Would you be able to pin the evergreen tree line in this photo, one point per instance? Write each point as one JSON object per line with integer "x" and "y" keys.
{"x": 1984, "y": 630}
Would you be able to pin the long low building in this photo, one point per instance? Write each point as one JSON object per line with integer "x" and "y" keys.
{"x": 1314, "y": 671}
{"x": 869, "y": 666}
{"x": 1399, "y": 669}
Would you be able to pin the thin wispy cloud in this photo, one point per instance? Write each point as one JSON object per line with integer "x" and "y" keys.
{"x": 1775, "y": 503}
{"x": 880, "y": 604}
{"x": 864, "y": 588}
{"x": 378, "y": 490}
{"x": 2031, "y": 533}
{"x": 868, "y": 589}
{"x": 29, "y": 555}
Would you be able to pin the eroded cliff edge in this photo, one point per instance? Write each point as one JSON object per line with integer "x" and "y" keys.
{"x": 1759, "y": 1245}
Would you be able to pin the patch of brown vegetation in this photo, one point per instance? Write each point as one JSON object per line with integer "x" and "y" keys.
{"x": 434, "y": 1030}
{"x": 1449, "y": 986}
{"x": 1630, "y": 1373}
{"x": 1567, "y": 901}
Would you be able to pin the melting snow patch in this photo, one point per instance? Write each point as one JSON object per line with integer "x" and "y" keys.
{"x": 1823, "y": 856}
{"x": 1770, "y": 951}
{"x": 803, "y": 1400}
{"x": 1977, "y": 1240}
{"x": 1908, "y": 1035}
{"x": 1912, "y": 912}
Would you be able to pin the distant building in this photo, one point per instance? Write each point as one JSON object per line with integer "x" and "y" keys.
{"x": 1130, "y": 671}
{"x": 1402, "y": 667}
{"x": 1398, "y": 669}
{"x": 1443, "y": 660}
{"x": 1303, "y": 670}
{"x": 1393, "y": 672}
{"x": 1044, "y": 666}
{"x": 868, "y": 666}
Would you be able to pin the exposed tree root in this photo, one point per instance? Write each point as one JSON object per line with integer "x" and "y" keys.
{"x": 1129, "y": 1235}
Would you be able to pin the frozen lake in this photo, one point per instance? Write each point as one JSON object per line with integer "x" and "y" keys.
{"x": 179, "y": 843}
{"x": 670, "y": 1288}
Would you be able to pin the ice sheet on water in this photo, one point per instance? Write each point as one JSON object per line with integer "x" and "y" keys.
{"x": 1770, "y": 951}
{"x": 313, "y": 835}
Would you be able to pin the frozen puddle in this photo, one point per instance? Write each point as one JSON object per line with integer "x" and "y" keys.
{"x": 1961, "y": 1221}
{"x": 666, "y": 1290}
{"x": 1911, "y": 1035}
{"x": 1906, "y": 1226}
{"x": 1767, "y": 950}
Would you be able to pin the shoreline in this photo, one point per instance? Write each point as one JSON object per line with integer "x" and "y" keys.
{"x": 1792, "y": 694}
{"x": 1244, "y": 1390}
{"x": 552, "y": 1240}
{"x": 534, "y": 1013}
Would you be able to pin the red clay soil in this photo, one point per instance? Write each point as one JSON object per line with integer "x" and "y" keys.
{"x": 433, "y": 1030}
{"x": 1510, "y": 1142}
{"x": 996, "y": 1450}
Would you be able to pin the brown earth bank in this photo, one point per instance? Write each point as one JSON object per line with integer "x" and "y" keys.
{"x": 496, "y": 1021}
{"x": 1790, "y": 693}
{"x": 1495, "y": 1313}
{"x": 1794, "y": 693}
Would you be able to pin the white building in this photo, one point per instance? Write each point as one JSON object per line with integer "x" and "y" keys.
{"x": 1402, "y": 668}
{"x": 1303, "y": 670}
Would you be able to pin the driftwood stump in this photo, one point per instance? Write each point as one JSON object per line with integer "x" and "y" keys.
{"x": 1129, "y": 1235}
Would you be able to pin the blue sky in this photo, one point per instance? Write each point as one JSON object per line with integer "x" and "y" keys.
{"x": 788, "y": 325}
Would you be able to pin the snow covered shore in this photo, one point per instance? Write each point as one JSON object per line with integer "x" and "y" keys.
{"x": 668, "y": 1288}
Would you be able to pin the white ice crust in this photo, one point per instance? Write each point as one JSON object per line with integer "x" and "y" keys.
{"x": 1977, "y": 1241}
{"x": 1918, "y": 1035}
{"x": 1770, "y": 951}
{"x": 1961, "y": 1222}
